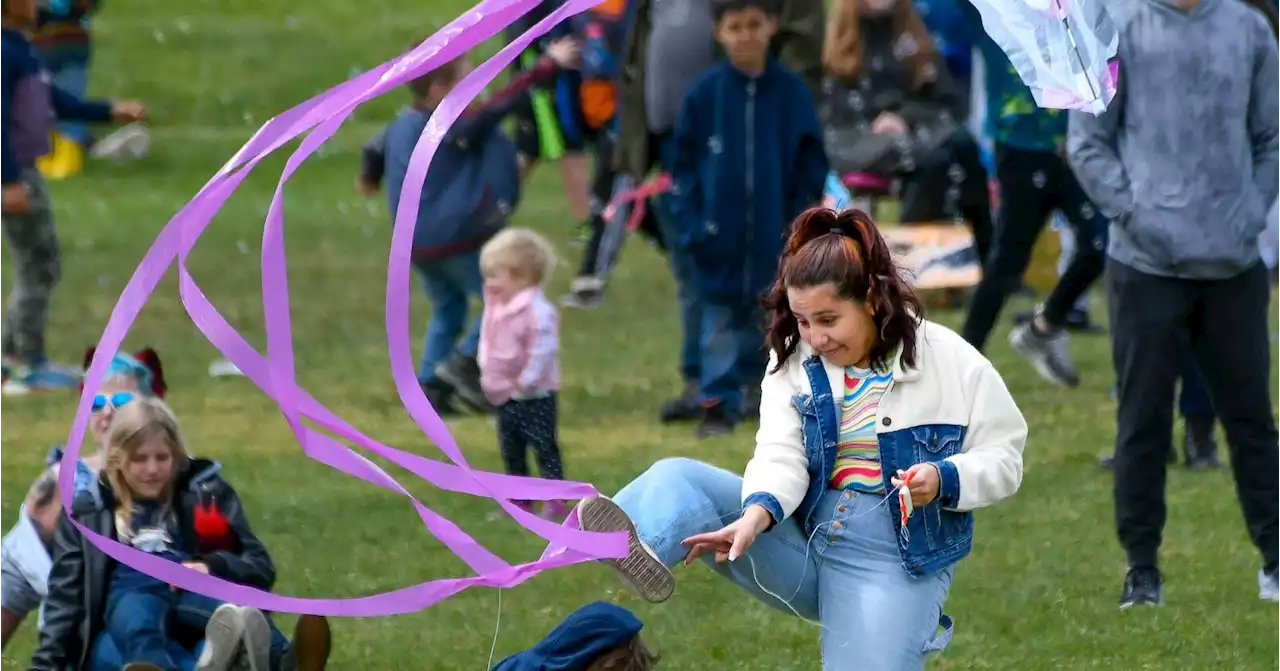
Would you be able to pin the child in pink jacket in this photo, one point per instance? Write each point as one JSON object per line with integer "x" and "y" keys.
{"x": 519, "y": 353}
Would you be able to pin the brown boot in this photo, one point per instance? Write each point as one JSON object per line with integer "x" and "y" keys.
{"x": 309, "y": 649}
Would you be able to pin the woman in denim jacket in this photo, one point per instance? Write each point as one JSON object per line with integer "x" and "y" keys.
{"x": 861, "y": 397}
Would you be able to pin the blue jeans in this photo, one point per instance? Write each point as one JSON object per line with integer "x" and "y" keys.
{"x": 732, "y": 353}
{"x": 681, "y": 270}
{"x": 158, "y": 625}
{"x": 450, "y": 283}
{"x": 72, "y": 76}
{"x": 1193, "y": 399}
{"x": 874, "y": 615}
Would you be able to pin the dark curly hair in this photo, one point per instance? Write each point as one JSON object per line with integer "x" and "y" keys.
{"x": 847, "y": 251}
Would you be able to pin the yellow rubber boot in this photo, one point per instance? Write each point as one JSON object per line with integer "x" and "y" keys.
{"x": 66, "y": 159}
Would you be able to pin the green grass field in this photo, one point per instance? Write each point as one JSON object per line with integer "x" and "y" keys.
{"x": 1038, "y": 592}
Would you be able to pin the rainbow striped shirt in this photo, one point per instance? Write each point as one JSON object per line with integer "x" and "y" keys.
{"x": 858, "y": 452}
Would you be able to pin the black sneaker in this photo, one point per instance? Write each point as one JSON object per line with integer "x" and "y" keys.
{"x": 462, "y": 374}
{"x": 1199, "y": 444}
{"x": 685, "y": 408}
{"x": 440, "y": 396}
{"x": 1143, "y": 586}
{"x": 715, "y": 422}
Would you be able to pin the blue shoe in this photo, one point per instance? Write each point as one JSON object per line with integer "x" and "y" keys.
{"x": 42, "y": 376}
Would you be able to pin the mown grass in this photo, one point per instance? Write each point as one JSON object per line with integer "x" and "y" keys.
{"x": 1038, "y": 592}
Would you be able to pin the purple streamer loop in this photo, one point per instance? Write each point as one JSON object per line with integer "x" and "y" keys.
{"x": 319, "y": 118}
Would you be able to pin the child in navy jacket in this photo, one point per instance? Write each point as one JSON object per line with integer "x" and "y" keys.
{"x": 749, "y": 159}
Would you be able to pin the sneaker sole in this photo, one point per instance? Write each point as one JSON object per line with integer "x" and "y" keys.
{"x": 640, "y": 570}
{"x": 257, "y": 639}
{"x": 222, "y": 638}
{"x": 1043, "y": 369}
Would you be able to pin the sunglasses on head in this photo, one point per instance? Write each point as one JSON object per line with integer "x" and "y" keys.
{"x": 116, "y": 400}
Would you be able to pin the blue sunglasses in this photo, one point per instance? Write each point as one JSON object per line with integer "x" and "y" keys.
{"x": 117, "y": 400}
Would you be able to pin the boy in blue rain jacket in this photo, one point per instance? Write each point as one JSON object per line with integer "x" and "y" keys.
{"x": 749, "y": 159}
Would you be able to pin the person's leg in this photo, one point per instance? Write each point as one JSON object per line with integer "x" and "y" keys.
{"x": 753, "y": 359}
{"x": 540, "y": 429}
{"x": 1148, "y": 333}
{"x": 463, "y": 281}
{"x": 511, "y": 438}
{"x": 1198, "y": 443}
{"x": 686, "y": 406}
{"x": 17, "y": 596}
{"x": 678, "y": 498}
{"x": 448, "y": 316}
{"x": 1023, "y": 209}
{"x": 213, "y": 629}
{"x": 33, "y": 243}
{"x": 720, "y": 392}
{"x": 875, "y": 615}
{"x": 137, "y": 621}
{"x": 1043, "y": 339}
{"x": 1232, "y": 346}
{"x": 104, "y": 654}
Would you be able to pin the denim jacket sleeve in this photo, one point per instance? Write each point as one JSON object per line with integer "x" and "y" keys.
{"x": 990, "y": 467}
{"x": 777, "y": 477}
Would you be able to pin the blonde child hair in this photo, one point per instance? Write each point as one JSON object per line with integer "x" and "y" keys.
{"x": 519, "y": 251}
{"x": 144, "y": 419}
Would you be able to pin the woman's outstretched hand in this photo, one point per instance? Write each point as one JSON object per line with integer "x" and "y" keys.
{"x": 732, "y": 541}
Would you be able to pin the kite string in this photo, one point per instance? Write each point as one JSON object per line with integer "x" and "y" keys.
{"x": 496, "y": 626}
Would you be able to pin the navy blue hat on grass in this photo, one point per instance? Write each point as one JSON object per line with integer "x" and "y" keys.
{"x": 589, "y": 632}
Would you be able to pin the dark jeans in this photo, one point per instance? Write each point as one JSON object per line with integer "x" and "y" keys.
{"x": 450, "y": 283}
{"x": 951, "y": 181}
{"x": 690, "y": 302}
{"x": 1224, "y": 322}
{"x": 1032, "y": 185}
{"x": 157, "y": 625}
{"x": 1193, "y": 398}
{"x": 530, "y": 423}
{"x": 733, "y": 354}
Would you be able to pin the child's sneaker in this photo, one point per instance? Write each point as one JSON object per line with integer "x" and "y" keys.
{"x": 1269, "y": 586}
{"x": 462, "y": 373}
{"x": 641, "y": 569}
{"x": 129, "y": 143}
{"x": 223, "y": 636}
{"x": 257, "y": 639}
{"x": 585, "y": 293}
{"x": 41, "y": 376}
{"x": 715, "y": 422}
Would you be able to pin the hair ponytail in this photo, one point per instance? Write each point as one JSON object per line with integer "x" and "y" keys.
{"x": 847, "y": 251}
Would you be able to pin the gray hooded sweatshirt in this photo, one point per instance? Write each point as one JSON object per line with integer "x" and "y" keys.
{"x": 1184, "y": 161}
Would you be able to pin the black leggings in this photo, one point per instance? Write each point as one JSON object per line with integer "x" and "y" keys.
{"x": 951, "y": 181}
{"x": 1032, "y": 185}
{"x": 530, "y": 423}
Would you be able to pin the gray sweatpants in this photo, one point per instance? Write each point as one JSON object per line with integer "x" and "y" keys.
{"x": 33, "y": 248}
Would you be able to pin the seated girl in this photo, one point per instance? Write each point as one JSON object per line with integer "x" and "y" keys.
{"x": 100, "y": 614}
{"x": 24, "y": 552}
{"x": 890, "y": 107}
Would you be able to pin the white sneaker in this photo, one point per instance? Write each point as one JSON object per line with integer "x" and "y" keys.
{"x": 223, "y": 636}
{"x": 1268, "y": 586}
{"x": 129, "y": 143}
{"x": 641, "y": 569}
{"x": 257, "y": 639}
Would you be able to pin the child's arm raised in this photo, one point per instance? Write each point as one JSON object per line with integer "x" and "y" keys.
{"x": 477, "y": 123}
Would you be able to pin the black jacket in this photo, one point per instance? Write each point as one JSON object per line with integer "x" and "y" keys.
{"x": 75, "y": 608}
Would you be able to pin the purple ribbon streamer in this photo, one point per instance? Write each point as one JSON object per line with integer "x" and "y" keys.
{"x": 320, "y": 117}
